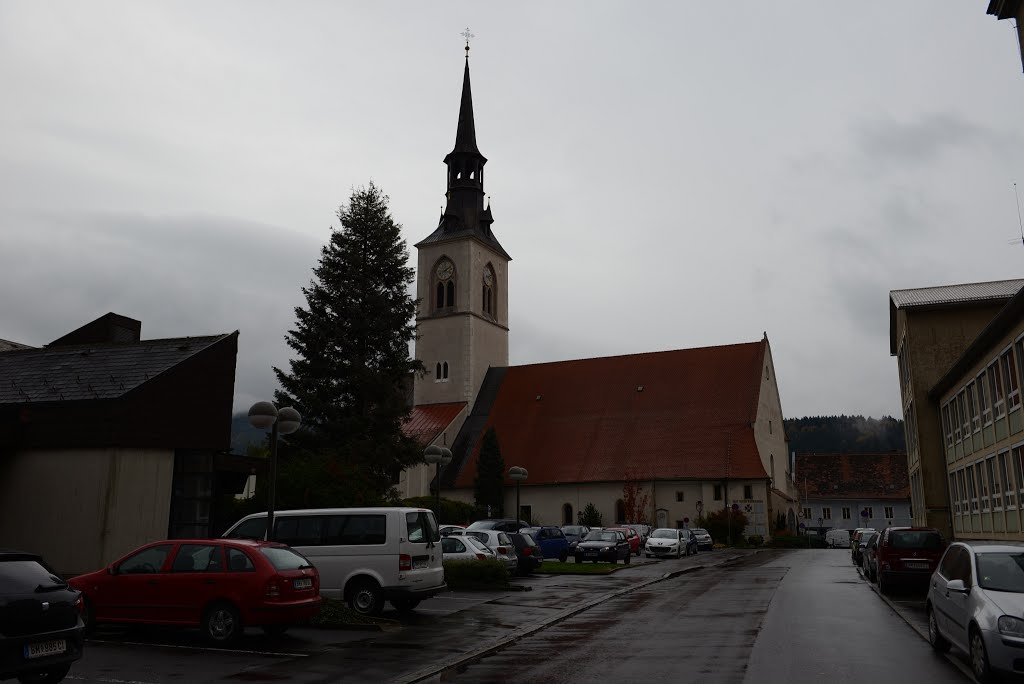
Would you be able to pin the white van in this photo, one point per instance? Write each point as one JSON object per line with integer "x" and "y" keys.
{"x": 365, "y": 556}
{"x": 838, "y": 539}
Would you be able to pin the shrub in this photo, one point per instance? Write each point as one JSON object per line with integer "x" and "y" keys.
{"x": 755, "y": 540}
{"x": 475, "y": 574}
{"x": 718, "y": 525}
{"x": 590, "y": 516}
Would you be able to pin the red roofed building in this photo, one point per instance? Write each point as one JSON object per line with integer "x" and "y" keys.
{"x": 847, "y": 491}
{"x": 698, "y": 429}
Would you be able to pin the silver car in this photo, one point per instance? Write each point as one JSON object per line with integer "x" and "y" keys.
{"x": 704, "y": 540}
{"x": 976, "y": 602}
{"x": 498, "y": 542}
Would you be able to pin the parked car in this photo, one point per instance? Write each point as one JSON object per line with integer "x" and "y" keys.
{"x": 837, "y": 539}
{"x": 445, "y": 530}
{"x": 907, "y": 555}
{"x": 869, "y": 557}
{"x": 41, "y": 622}
{"x": 641, "y": 529}
{"x": 500, "y": 543}
{"x": 975, "y": 602}
{"x": 667, "y": 541}
{"x": 529, "y": 553}
{"x": 631, "y": 536}
{"x": 858, "y": 542}
{"x": 551, "y": 540}
{"x": 704, "y": 540}
{"x": 365, "y": 556}
{"x": 854, "y": 540}
{"x": 456, "y": 547}
{"x": 574, "y": 533}
{"x": 603, "y": 545}
{"x": 503, "y": 524}
{"x": 217, "y": 585}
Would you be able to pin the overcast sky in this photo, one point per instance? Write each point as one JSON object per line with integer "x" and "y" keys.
{"x": 665, "y": 175}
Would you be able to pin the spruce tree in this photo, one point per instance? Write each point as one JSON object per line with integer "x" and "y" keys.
{"x": 489, "y": 485}
{"x": 352, "y": 363}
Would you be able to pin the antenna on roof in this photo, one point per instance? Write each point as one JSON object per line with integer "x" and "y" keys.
{"x": 1019, "y": 221}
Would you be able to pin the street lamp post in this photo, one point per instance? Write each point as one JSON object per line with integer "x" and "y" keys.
{"x": 264, "y": 415}
{"x": 518, "y": 474}
{"x": 440, "y": 457}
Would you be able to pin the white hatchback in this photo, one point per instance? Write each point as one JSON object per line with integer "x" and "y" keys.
{"x": 497, "y": 541}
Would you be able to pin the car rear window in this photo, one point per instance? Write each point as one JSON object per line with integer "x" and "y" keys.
{"x": 284, "y": 559}
{"x": 21, "y": 576}
{"x": 919, "y": 539}
{"x": 421, "y": 527}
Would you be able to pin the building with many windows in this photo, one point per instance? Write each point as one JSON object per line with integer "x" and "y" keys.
{"x": 979, "y": 404}
{"x": 930, "y": 328}
{"x": 847, "y": 491}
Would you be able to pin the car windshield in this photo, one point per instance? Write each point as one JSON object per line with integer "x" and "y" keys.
{"x": 915, "y": 539}
{"x": 699, "y": 530}
{"x": 601, "y": 536}
{"x": 572, "y": 529}
{"x": 1001, "y": 571}
{"x": 665, "y": 534}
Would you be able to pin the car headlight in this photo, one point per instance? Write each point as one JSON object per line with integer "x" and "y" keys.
{"x": 1011, "y": 626}
{"x": 608, "y": 548}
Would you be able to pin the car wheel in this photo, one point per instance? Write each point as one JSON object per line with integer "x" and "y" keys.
{"x": 615, "y": 561}
{"x": 48, "y": 675}
{"x": 88, "y": 616}
{"x": 938, "y": 642}
{"x": 638, "y": 552}
{"x": 627, "y": 560}
{"x": 979, "y": 657}
{"x": 409, "y": 605}
{"x": 274, "y": 630}
{"x": 366, "y": 598}
{"x": 221, "y": 623}
{"x": 562, "y": 557}
{"x": 883, "y": 587}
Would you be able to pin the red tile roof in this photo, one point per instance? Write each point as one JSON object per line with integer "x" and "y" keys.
{"x": 853, "y": 476}
{"x": 426, "y": 421}
{"x": 661, "y": 415}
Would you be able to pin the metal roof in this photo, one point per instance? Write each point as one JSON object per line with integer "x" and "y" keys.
{"x": 952, "y": 294}
{"x": 91, "y": 371}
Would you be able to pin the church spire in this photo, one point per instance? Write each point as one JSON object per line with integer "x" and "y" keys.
{"x": 465, "y": 136}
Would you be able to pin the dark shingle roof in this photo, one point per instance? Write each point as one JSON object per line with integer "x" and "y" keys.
{"x": 853, "y": 476}
{"x": 91, "y": 371}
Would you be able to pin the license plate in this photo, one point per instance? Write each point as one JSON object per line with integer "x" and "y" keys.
{"x": 590, "y": 554}
{"x": 419, "y": 564}
{"x": 917, "y": 566}
{"x": 306, "y": 583}
{"x": 45, "y": 648}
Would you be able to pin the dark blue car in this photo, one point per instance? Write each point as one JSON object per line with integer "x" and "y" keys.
{"x": 552, "y": 542}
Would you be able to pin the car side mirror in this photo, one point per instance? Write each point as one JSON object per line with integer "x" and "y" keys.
{"x": 111, "y": 569}
{"x": 957, "y": 586}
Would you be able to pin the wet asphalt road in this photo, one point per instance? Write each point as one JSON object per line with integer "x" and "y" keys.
{"x": 776, "y": 616}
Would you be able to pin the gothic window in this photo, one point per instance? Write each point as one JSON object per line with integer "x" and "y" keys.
{"x": 567, "y": 514}
{"x": 488, "y": 291}
{"x": 444, "y": 373}
{"x": 437, "y": 374}
{"x": 444, "y": 288}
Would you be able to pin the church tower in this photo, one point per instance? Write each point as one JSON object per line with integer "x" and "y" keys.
{"x": 462, "y": 279}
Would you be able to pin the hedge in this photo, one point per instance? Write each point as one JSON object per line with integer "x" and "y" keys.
{"x": 475, "y": 574}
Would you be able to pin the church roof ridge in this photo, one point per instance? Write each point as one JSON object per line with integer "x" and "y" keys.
{"x": 640, "y": 354}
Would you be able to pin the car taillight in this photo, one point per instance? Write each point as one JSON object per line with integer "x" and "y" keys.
{"x": 502, "y": 549}
{"x": 274, "y": 587}
{"x": 80, "y": 605}
{"x": 481, "y": 556}
{"x": 527, "y": 551}
{"x": 405, "y": 562}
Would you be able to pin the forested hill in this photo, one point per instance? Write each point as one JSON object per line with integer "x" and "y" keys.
{"x": 846, "y": 434}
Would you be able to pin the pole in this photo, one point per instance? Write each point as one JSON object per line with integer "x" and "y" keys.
{"x": 272, "y": 489}
{"x": 518, "y": 509}
{"x": 437, "y": 489}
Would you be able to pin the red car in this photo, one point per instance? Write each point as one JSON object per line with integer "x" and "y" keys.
{"x": 907, "y": 554}
{"x": 632, "y": 537}
{"x": 218, "y": 585}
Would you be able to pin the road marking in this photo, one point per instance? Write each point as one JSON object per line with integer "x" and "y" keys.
{"x": 239, "y": 651}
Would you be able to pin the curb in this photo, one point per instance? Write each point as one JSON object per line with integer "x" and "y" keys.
{"x": 482, "y": 651}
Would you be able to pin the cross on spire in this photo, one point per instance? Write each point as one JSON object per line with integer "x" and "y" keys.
{"x": 467, "y": 35}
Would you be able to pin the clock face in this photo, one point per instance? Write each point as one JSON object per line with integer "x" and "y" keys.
{"x": 445, "y": 270}
{"x": 488, "y": 277}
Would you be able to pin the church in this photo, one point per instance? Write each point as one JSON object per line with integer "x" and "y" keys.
{"x": 698, "y": 430}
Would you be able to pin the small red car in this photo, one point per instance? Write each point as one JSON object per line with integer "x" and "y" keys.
{"x": 632, "y": 537}
{"x": 218, "y": 585}
{"x": 907, "y": 554}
